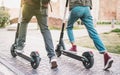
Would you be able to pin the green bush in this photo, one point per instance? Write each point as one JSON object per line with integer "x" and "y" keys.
{"x": 104, "y": 23}
{"x": 4, "y": 17}
{"x": 116, "y": 30}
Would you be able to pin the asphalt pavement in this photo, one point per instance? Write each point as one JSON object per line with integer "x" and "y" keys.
{"x": 66, "y": 65}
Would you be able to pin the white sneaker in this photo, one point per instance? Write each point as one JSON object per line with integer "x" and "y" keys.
{"x": 19, "y": 50}
{"x": 53, "y": 62}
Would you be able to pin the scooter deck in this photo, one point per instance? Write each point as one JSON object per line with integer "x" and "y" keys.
{"x": 24, "y": 56}
{"x": 72, "y": 55}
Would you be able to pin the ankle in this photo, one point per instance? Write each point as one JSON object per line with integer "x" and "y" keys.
{"x": 53, "y": 59}
{"x": 105, "y": 53}
{"x": 73, "y": 48}
{"x": 73, "y": 45}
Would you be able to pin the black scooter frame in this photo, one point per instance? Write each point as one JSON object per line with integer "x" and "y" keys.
{"x": 86, "y": 58}
{"x": 34, "y": 56}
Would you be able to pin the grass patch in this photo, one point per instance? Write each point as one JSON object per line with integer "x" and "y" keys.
{"x": 75, "y": 27}
{"x": 116, "y": 30}
{"x": 110, "y": 39}
{"x": 54, "y": 28}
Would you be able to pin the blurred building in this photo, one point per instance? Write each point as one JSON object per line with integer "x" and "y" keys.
{"x": 102, "y": 10}
{"x": 109, "y": 9}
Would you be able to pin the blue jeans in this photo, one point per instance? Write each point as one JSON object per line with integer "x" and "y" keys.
{"x": 83, "y": 13}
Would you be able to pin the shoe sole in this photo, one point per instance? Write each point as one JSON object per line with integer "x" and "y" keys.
{"x": 109, "y": 65}
{"x": 54, "y": 64}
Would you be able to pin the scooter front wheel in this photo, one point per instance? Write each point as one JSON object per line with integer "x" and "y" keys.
{"x": 13, "y": 53}
{"x": 89, "y": 59}
{"x": 58, "y": 50}
{"x": 35, "y": 60}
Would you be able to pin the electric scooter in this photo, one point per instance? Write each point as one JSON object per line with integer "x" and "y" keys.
{"x": 34, "y": 58}
{"x": 87, "y": 58}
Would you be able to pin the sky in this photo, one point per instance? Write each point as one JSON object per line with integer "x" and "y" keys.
{"x": 11, "y": 3}
{"x": 14, "y": 3}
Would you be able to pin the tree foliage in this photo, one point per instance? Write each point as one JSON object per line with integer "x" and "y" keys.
{"x": 4, "y": 17}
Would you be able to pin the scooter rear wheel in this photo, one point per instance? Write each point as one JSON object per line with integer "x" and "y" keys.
{"x": 35, "y": 60}
{"x": 89, "y": 59}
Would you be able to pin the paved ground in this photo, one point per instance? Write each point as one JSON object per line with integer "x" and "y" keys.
{"x": 66, "y": 65}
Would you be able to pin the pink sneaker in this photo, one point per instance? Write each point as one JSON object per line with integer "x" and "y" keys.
{"x": 74, "y": 48}
{"x": 107, "y": 61}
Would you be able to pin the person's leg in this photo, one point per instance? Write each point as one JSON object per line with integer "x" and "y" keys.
{"x": 74, "y": 16}
{"x": 42, "y": 21}
{"x": 88, "y": 21}
{"x": 70, "y": 34}
{"x": 26, "y": 16}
